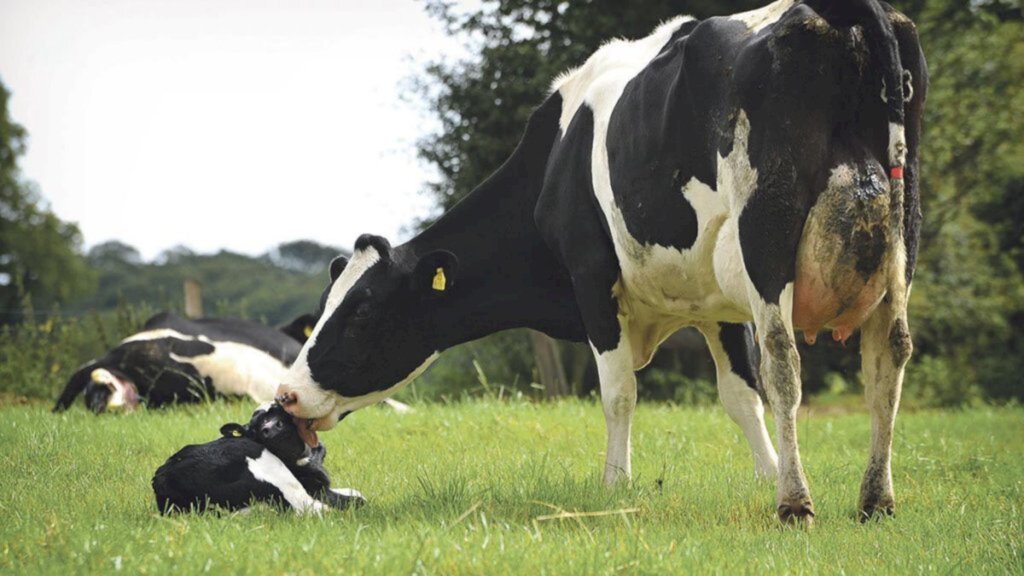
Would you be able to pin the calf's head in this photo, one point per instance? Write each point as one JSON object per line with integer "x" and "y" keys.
{"x": 376, "y": 332}
{"x": 271, "y": 426}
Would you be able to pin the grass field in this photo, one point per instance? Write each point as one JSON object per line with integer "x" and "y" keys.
{"x": 481, "y": 487}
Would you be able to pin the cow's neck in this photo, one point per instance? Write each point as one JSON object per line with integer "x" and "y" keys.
{"x": 507, "y": 276}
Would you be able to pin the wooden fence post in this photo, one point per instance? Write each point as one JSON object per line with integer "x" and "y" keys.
{"x": 193, "y": 298}
{"x": 549, "y": 364}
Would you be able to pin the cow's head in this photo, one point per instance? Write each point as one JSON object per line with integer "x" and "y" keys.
{"x": 375, "y": 333}
{"x": 109, "y": 390}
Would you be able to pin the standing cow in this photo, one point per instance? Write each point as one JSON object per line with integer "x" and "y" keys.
{"x": 761, "y": 167}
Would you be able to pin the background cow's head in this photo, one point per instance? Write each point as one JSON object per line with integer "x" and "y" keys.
{"x": 375, "y": 333}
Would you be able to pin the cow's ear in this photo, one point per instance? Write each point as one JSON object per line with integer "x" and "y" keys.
{"x": 337, "y": 265}
{"x": 436, "y": 272}
{"x": 232, "y": 430}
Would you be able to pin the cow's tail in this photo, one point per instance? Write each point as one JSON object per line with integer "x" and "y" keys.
{"x": 885, "y": 51}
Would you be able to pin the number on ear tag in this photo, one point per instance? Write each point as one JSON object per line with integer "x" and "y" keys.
{"x": 439, "y": 280}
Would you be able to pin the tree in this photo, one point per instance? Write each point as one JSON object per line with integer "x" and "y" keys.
{"x": 304, "y": 256}
{"x": 968, "y": 301}
{"x": 40, "y": 255}
{"x": 113, "y": 253}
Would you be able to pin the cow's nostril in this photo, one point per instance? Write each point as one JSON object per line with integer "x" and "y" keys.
{"x": 287, "y": 398}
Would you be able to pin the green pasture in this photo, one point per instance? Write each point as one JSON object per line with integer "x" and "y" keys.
{"x": 495, "y": 487}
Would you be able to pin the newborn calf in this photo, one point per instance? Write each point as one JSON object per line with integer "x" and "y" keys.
{"x": 264, "y": 461}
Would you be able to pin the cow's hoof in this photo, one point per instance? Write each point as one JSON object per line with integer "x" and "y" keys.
{"x": 797, "y": 512}
{"x": 876, "y": 511}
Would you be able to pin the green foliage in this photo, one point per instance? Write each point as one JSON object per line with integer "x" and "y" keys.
{"x": 303, "y": 256}
{"x": 39, "y": 254}
{"x": 967, "y": 308}
{"x": 676, "y": 386}
{"x": 477, "y": 488}
{"x": 274, "y": 288}
{"x": 38, "y": 356}
{"x": 500, "y": 363}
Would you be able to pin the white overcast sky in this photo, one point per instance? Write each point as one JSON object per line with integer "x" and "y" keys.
{"x": 235, "y": 124}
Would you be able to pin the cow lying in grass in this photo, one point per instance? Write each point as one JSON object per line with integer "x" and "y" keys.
{"x": 267, "y": 460}
{"x": 174, "y": 359}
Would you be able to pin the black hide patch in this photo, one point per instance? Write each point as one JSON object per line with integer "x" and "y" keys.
{"x": 648, "y": 156}
{"x": 571, "y": 222}
{"x": 738, "y": 342}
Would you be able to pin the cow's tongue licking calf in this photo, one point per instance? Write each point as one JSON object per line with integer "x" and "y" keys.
{"x": 306, "y": 432}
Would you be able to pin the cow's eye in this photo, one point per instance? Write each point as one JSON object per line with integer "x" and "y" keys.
{"x": 362, "y": 312}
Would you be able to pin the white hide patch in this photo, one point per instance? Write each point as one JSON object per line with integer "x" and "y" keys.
{"x": 609, "y": 68}
{"x": 269, "y": 468}
{"x": 662, "y": 288}
{"x": 757, "y": 20}
{"x": 237, "y": 369}
{"x": 156, "y": 335}
{"x": 737, "y": 180}
{"x": 897, "y": 145}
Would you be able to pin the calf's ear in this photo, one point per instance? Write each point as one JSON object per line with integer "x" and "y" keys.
{"x": 232, "y": 430}
{"x": 435, "y": 273}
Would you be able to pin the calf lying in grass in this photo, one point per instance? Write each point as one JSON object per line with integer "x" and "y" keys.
{"x": 266, "y": 460}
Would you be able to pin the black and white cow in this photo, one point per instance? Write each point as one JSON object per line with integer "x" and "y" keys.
{"x": 264, "y": 461}
{"x": 761, "y": 166}
{"x": 174, "y": 359}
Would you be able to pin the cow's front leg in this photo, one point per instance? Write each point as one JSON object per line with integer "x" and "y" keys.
{"x": 780, "y": 373}
{"x": 885, "y": 348}
{"x": 618, "y": 397}
{"x": 732, "y": 347}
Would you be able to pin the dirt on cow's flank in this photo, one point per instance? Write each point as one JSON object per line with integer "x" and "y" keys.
{"x": 491, "y": 487}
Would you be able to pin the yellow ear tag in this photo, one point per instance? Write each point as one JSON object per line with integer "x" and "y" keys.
{"x": 308, "y": 331}
{"x": 236, "y": 433}
{"x": 439, "y": 280}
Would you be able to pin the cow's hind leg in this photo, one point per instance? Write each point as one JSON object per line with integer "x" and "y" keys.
{"x": 780, "y": 372}
{"x": 732, "y": 347}
{"x": 885, "y": 348}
